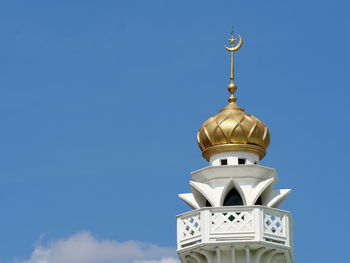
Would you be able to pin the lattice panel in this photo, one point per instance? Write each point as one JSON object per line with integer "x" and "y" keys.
{"x": 191, "y": 226}
{"x": 231, "y": 222}
{"x": 274, "y": 224}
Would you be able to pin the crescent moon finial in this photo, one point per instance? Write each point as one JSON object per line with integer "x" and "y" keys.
{"x": 233, "y": 41}
{"x": 232, "y": 86}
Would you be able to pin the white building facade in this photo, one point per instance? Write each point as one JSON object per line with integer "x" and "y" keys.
{"x": 235, "y": 216}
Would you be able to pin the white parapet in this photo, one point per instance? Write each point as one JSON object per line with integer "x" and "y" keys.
{"x": 239, "y": 234}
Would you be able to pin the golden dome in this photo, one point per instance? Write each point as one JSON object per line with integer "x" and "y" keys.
{"x": 232, "y": 129}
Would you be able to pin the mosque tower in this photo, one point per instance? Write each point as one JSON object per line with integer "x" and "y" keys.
{"x": 235, "y": 216}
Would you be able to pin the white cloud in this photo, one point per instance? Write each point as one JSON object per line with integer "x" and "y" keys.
{"x": 84, "y": 248}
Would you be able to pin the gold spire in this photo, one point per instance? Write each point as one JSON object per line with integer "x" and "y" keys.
{"x": 232, "y": 87}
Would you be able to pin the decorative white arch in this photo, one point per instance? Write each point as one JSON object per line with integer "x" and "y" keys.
{"x": 258, "y": 190}
{"x": 228, "y": 187}
{"x": 198, "y": 196}
{"x": 206, "y": 191}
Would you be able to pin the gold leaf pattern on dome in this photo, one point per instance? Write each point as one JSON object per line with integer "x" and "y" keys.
{"x": 233, "y": 127}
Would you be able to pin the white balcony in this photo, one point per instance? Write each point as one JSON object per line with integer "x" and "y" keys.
{"x": 234, "y": 224}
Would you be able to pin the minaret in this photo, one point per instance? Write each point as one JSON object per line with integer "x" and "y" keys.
{"x": 235, "y": 216}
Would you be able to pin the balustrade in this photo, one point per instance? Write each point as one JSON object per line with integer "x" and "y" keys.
{"x": 233, "y": 224}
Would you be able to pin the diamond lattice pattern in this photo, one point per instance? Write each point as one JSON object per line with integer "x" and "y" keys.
{"x": 191, "y": 226}
{"x": 231, "y": 222}
{"x": 274, "y": 224}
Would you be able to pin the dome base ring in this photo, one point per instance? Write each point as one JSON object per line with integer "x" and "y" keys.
{"x": 234, "y": 147}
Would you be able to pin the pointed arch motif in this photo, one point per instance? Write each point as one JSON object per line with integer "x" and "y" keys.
{"x": 233, "y": 198}
{"x": 228, "y": 187}
{"x": 207, "y": 193}
{"x": 258, "y": 190}
{"x": 197, "y": 195}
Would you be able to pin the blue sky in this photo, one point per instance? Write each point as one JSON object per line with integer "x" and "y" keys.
{"x": 100, "y": 102}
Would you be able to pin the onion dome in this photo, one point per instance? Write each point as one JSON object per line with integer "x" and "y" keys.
{"x": 232, "y": 129}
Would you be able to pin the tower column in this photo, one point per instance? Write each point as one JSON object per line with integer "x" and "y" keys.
{"x": 218, "y": 255}
{"x": 247, "y": 254}
{"x": 233, "y": 254}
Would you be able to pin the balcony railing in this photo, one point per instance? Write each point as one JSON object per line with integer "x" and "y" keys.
{"x": 233, "y": 224}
